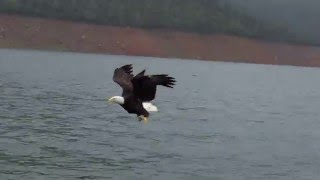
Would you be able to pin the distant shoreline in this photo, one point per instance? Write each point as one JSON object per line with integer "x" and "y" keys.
{"x": 45, "y": 34}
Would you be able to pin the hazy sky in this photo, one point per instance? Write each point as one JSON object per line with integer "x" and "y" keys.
{"x": 301, "y": 16}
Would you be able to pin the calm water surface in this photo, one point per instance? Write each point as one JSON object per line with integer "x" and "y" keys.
{"x": 223, "y": 121}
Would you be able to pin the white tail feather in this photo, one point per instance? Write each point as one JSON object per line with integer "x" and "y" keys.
{"x": 149, "y": 107}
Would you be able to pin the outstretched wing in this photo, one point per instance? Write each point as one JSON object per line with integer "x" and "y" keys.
{"x": 145, "y": 87}
{"x": 123, "y": 77}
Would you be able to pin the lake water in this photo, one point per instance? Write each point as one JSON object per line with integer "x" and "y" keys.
{"x": 222, "y": 121}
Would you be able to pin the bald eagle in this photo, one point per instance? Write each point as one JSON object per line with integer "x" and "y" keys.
{"x": 138, "y": 90}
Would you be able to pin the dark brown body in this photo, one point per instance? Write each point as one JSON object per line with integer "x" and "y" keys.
{"x": 134, "y": 105}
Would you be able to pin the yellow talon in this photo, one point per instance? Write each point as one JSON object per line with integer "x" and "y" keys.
{"x": 145, "y": 119}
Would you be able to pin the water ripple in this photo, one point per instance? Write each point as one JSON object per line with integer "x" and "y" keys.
{"x": 56, "y": 124}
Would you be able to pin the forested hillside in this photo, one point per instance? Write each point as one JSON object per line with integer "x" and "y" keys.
{"x": 299, "y": 16}
{"x": 202, "y": 16}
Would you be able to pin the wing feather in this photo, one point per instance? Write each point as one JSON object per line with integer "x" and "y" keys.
{"x": 145, "y": 87}
{"x": 123, "y": 77}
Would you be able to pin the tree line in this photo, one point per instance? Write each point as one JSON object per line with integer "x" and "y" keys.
{"x": 201, "y": 16}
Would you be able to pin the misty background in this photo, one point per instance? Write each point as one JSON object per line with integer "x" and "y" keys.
{"x": 300, "y": 16}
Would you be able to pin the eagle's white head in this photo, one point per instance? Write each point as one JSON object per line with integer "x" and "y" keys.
{"x": 116, "y": 99}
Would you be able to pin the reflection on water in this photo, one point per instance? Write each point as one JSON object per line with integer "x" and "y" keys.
{"x": 222, "y": 121}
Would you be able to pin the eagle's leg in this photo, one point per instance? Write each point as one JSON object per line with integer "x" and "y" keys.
{"x": 143, "y": 118}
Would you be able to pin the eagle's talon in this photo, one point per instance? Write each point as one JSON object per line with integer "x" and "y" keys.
{"x": 143, "y": 118}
